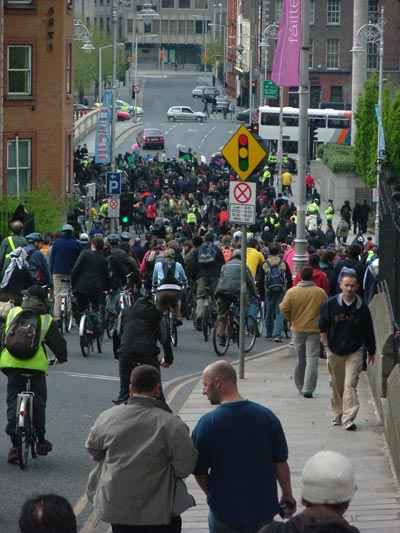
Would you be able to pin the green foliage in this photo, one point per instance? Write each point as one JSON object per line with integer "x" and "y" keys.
{"x": 215, "y": 52}
{"x": 47, "y": 207}
{"x": 392, "y": 132}
{"x": 338, "y": 157}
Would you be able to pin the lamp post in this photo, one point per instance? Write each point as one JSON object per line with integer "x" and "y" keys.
{"x": 374, "y": 33}
{"x": 100, "y": 81}
{"x": 269, "y": 32}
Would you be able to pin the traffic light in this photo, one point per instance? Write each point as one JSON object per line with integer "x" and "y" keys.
{"x": 243, "y": 152}
{"x": 125, "y": 209}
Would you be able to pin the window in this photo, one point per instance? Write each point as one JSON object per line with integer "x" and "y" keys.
{"x": 19, "y": 66}
{"x": 68, "y": 69}
{"x": 373, "y": 11}
{"x": 312, "y": 12}
{"x": 129, "y": 26}
{"x": 88, "y": 22}
{"x": 181, "y": 27}
{"x": 184, "y": 4}
{"x": 333, "y": 12}
{"x": 173, "y": 26}
{"x": 147, "y": 26}
{"x": 291, "y": 120}
{"x": 12, "y": 3}
{"x": 270, "y": 119}
{"x": 332, "y": 53}
{"x": 315, "y": 97}
{"x": 336, "y": 93}
{"x": 18, "y": 166}
{"x": 156, "y": 26}
{"x": 101, "y": 24}
{"x": 201, "y": 4}
{"x": 278, "y": 9}
{"x": 372, "y": 56}
{"x": 311, "y": 54}
{"x": 199, "y": 28}
{"x": 338, "y": 123}
{"x": 293, "y": 97}
{"x": 167, "y": 3}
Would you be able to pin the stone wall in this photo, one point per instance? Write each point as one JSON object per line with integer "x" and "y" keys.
{"x": 338, "y": 187}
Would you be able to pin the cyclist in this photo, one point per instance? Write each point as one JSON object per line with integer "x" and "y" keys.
{"x": 120, "y": 264}
{"x": 35, "y": 300}
{"x": 228, "y": 290}
{"x": 209, "y": 261}
{"x": 38, "y": 265}
{"x": 11, "y": 243}
{"x": 168, "y": 279}
{"x": 89, "y": 277}
{"x": 64, "y": 253}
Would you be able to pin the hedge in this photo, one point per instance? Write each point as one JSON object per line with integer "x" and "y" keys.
{"x": 338, "y": 157}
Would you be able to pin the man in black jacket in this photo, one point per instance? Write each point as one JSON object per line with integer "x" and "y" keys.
{"x": 144, "y": 329}
{"x": 346, "y": 328}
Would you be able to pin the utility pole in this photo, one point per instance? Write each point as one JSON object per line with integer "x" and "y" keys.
{"x": 380, "y": 156}
{"x": 114, "y": 78}
{"x": 250, "y": 84}
{"x": 359, "y": 70}
{"x": 300, "y": 256}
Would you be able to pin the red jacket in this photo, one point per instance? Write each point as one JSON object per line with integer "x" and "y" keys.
{"x": 319, "y": 278}
{"x": 151, "y": 211}
{"x": 309, "y": 181}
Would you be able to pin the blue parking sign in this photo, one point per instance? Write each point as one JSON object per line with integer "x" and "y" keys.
{"x": 113, "y": 184}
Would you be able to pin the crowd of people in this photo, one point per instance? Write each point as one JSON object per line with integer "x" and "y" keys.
{"x": 180, "y": 238}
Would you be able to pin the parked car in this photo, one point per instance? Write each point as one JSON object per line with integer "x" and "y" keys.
{"x": 210, "y": 92}
{"x": 123, "y": 115}
{"x": 198, "y": 91}
{"x": 151, "y": 138}
{"x": 121, "y": 105}
{"x": 243, "y": 116}
{"x": 222, "y": 103}
{"x": 185, "y": 113}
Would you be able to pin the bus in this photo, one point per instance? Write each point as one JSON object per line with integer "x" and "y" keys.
{"x": 325, "y": 126}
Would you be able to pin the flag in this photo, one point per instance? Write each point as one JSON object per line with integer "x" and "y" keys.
{"x": 286, "y": 66}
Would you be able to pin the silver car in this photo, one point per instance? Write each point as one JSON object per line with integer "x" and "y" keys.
{"x": 198, "y": 91}
{"x": 185, "y": 113}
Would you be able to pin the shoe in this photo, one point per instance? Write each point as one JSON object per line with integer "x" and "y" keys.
{"x": 278, "y": 339}
{"x": 307, "y": 394}
{"x": 336, "y": 421}
{"x": 221, "y": 340}
{"x": 350, "y": 427}
{"x": 12, "y": 456}
{"x": 118, "y": 401}
{"x": 43, "y": 447}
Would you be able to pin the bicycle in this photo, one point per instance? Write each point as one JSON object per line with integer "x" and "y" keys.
{"x": 171, "y": 327}
{"x": 231, "y": 319}
{"x": 209, "y": 317}
{"x": 66, "y": 315}
{"x": 91, "y": 329}
{"x": 260, "y": 317}
{"x": 25, "y": 432}
{"x": 125, "y": 302}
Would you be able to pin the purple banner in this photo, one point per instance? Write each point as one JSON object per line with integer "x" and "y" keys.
{"x": 286, "y": 67}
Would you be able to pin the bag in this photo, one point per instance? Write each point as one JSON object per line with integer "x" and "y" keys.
{"x": 207, "y": 254}
{"x": 275, "y": 279}
{"x": 22, "y": 338}
{"x": 169, "y": 270}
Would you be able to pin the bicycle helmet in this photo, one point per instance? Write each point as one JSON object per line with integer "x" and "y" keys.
{"x": 125, "y": 236}
{"x": 84, "y": 237}
{"x": 113, "y": 238}
{"x": 34, "y": 237}
{"x": 67, "y": 227}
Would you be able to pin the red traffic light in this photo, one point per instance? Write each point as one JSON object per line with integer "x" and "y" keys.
{"x": 243, "y": 152}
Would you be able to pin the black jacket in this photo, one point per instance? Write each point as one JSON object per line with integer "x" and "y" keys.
{"x": 311, "y": 520}
{"x": 90, "y": 273}
{"x": 144, "y": 328}
{"x": 120, "y": 265}
{"x": 348, "y": 327}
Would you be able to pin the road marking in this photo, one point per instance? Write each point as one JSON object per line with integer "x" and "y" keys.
{"x": 174, "y": 392}
{"x": 203, "y": 140}
{"x": 86, "y": 376}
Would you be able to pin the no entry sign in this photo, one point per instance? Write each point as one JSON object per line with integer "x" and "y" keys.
{"x": 242, "y": 202}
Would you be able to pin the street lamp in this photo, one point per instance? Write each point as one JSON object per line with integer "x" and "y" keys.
{"x": 100, "y": 82}
{"x": 373, "y": 33}
{"x": 82, "y": 33}
{"x": 269, "y": 32}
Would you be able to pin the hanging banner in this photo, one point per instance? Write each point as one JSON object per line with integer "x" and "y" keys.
{"x": 286, "y": 67}
{"x": 102, "y": 153}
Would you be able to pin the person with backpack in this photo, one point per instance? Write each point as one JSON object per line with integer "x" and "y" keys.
{"x": 149, "y": 260}
{"x": 275, "y": 283}
{"x": 27, "y": 329}
{"x": 352, "y": 263}
{"x": 38, "y": 265}
{"x": 327, "y": 488}
{"x": 168, "y": 280}
{"x": 301, "y": 306}
{"x": 11, "y": 243}
{"x": 209, "y": 260}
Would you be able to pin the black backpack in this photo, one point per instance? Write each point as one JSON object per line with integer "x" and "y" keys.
{"x": 169, "y": 273}
{"x": 22, "y": 338}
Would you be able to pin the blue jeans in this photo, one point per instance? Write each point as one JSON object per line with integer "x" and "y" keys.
{"x": 216, "y": 526}
{"x": 273, "y": 316}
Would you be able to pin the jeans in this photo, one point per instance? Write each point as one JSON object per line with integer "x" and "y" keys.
{"x": 17, "y": 383}
{"x": 273, "y": 316}
{"x": 307, "y": 347}
{"x": 216, "y": 526}
{"x": 174, "y": 527}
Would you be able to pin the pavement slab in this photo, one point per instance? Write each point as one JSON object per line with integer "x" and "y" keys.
{"x": 269, "y": 381}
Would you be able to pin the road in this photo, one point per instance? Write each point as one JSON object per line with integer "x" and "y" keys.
{"x": 78, "y": 392}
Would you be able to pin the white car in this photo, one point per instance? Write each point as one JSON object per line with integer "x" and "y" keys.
{"x": 199, "y": 90}
{"x": 185, "y": 113}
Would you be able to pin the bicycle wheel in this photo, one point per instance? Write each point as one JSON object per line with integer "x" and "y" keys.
{"x": 173, "y": 331}
{"x": 23, "y": 438}
{"x": 110, "y": 321}
{"x": 260, "y": 319}
{"x": 68, "y": 315}
{"x": 220, "y": 348}
{"x": 205, "y": 322}
{"x": 250, "y": 334}
{"x": 84, "y": 338}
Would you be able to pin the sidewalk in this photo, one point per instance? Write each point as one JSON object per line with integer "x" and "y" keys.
{"x": 376, "y": 505}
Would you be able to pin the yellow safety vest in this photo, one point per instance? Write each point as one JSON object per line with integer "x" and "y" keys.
{"x": 12, "y": 246}
{"x": 191, "y": 218}
{"x": 39, "y": 360}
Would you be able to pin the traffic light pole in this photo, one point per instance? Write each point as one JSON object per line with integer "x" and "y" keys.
{"x": 243, "y": 293}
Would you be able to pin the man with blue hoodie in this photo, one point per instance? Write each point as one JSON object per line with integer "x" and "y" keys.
{"x": 64, "y": 253}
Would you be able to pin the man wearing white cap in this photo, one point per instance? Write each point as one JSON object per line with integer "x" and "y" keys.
{"x": 327, "y": 487}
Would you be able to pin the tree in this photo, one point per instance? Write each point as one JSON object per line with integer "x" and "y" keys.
{"x": 393, "y": 133}
{"x": 215, "y": 52}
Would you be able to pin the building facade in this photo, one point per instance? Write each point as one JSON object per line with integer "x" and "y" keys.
{"x": 37, "y": 96}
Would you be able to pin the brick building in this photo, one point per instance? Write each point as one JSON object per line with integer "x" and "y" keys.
{"x": 37, "y": 88}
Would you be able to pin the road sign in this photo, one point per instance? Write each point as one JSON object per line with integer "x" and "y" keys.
{"x": 270, "y": 90}
{"x": 242, "y": 202}
{"x": 243, "y": 153}
{"x": 113, "y": 207}
{"x": 113, "y": 184}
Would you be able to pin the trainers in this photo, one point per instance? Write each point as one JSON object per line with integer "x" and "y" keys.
{"x": 351, "y": 426}
{"x": 12, "y": 456}
{"x": 336, "y": 421}
{"x": 43, "y": 447}
{"x": 118, "y": 401}
{"x": 278, "y": 339}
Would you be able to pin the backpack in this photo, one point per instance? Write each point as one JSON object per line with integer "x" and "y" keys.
{"x": 169, "y": 270}
{"x": 22, "y": 338}
{"x": 275, "y": 278}
{"x": 207, "y": 254}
